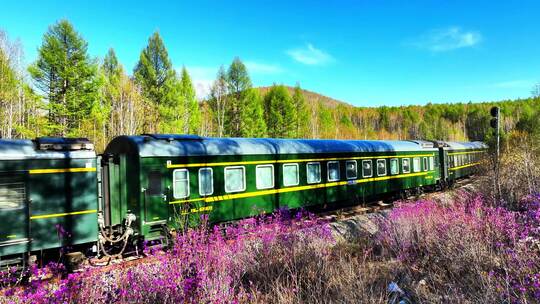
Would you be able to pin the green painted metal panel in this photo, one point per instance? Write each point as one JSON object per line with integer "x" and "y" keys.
{"x": 61, "y": 203}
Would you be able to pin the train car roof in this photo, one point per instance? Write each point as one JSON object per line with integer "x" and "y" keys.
{"x": 181, "y": 145}
{"x": 46, "y": 148}
{"x": 455, "y": 145}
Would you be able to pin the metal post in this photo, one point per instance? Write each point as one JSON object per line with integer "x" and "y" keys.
{"x": 498, "y": 137}
{"x": 496, "y": 124}
{"x": 497, "y": 172}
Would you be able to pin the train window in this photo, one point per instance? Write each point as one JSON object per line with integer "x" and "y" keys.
{"x": 265, "y": 176}
{"x": 290, "y": 175}
{"x": 416, "y": 164}
{"x": 180, "y": 183}
{"x": 381, "y": 167}
{"x": 367, "y": 170}
{"x": 350, "y": 169}
{"x": 154, "y": 183}
{"x": 313, "y": 173}
{"x": 206, "y": 181}
{"x": 425, "y": 163}
{"x": 406, "y": 164}
{"x": 431, "y": 163}
{"x": 394, "y": 166}
{"x": 235, "y": 179}
{"x": 333, "y": 171}
{"x": 12, "y": 194}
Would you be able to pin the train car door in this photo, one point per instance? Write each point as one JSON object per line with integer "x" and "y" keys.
{"x": 14, "y": 217}
{"x": 444, "y": 161}
{"x": 156, "y": 202}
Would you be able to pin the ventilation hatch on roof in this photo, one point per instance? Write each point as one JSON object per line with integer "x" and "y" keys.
{"x": 172, "y": 137}
{"x": 63, "y": 144}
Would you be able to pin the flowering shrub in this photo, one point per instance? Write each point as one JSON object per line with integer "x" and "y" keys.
{"x": 467, "y": 251}
{"x": 464, "y": 252}
{"x": 204, "y": 266}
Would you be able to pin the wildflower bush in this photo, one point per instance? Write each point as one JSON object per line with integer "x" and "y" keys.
{"x": 204, "y": 266}
{"x": 466, "y": 251}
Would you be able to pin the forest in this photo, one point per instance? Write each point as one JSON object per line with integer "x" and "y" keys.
{"x": 66, "y": 92}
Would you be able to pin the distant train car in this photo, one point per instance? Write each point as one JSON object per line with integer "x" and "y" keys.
{"x": 161, "y": 177}
{"x": 48, "y": 196}
{"x": 462, "y": 159}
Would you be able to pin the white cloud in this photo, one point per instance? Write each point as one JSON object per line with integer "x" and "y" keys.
{"x": 310, "y": 55}
{"x": 447, "y": 39}
{"x": 262, "y": 68}
{"x": 202, "y": 78}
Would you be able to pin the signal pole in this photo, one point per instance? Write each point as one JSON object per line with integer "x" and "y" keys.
{"x": 496, "y": 124}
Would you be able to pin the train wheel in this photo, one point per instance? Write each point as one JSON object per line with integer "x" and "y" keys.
{"x": 167, "y": 240}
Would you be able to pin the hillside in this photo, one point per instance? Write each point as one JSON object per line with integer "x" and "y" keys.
{"x": 312, "y": 97}
{"x": 331, "y": 118}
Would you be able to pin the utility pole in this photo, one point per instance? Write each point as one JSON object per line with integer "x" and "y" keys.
{"x": 496, "y": 125}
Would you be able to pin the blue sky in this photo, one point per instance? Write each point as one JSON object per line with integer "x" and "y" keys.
{"x": 367, "y": 53}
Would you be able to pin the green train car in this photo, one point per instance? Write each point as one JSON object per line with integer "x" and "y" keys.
{"x": 462, "y": 158}
{"x": 162, "y": 178}
{"x": 48, "y": 196}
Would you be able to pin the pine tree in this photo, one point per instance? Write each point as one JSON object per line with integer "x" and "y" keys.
{"x": 252, "y": 116}
{"x": 111, "y": 67}
{"x": 238, "y": 83}
{"x": 112, "y": 72}
{"x": 154, "y": 71}
{"x": 67, "y": 77}
{"x": 159, "y": 84}
{"x": 301, "y": 119}
{"x": 280, "y": 112}
{"x": 192, "y": 115}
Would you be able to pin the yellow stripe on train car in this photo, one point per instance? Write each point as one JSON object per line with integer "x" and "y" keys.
{"x": 61, "y": 170}
{"x": 465, "y": 166}
{"x": 43, "y": 216}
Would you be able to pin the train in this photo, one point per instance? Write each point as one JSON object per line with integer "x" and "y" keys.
{"x": 57, "y": 193}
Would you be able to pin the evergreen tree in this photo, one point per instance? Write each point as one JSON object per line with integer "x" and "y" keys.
{"x": 252, "y": 116}
{"x": 280, "y": 112}
{"x": 111, "y": 71}
{"x": 111, "y": 67}
{"x": 327, "y": 123}
{"x": 67, "y": 77}
{"x": 192, "y": 115}
{"x": 154, "y": 71}
{"x": 301, "y": 120}
{"x": 160, "y": 85}
{"x": 238, "y": 83}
